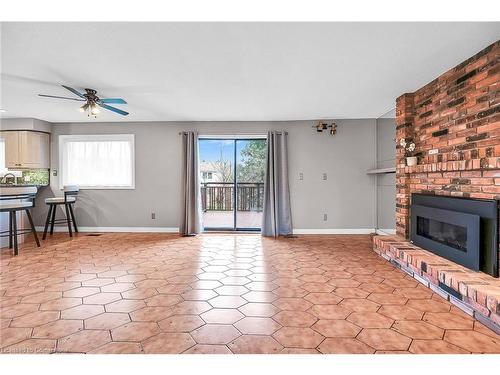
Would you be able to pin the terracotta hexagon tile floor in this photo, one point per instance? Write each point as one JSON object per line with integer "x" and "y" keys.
{"x": 83, "y": 341}
{"x": 344, "y": 346}
{"x": 215, "y": 334}
{"x": 181, "y": 323}
{"x": 336, "y": 328}
{"x": 384, "y": 339}
{"x": 263, "y": 310}
{"x": 295, "y": 318}
{"x": 370, "y": 320}
{"x": 119, "y": 348}
{"x": 158, "y": 293}
{"x": 208, "y": 349}
{"x": 222, "y": 316}
{"x": 257, "y": 326}
{"x": 82, "y": 312}
{"x": 57, "y": 329}
{"x": 418, "y": 330}
{"x": 107, "y": 321}
{"x": 135, "y": 331}
{"x": 294, "y": 337}
{"x": 252, "y": 344}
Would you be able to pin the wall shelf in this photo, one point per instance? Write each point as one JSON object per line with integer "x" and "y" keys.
{"x": 381, "y": 170}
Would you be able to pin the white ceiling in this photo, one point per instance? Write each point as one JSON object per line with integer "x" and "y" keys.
{"x": 228, "y": 71}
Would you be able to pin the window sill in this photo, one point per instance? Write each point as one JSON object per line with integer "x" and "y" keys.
{"x": 103, "y": 187}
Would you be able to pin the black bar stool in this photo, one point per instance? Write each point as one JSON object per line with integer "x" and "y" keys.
{"x": 69, "y": 199}
{"x": 23, "y": 198}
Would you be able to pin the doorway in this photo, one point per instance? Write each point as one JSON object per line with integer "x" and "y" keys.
{"x": 232, "y": 175}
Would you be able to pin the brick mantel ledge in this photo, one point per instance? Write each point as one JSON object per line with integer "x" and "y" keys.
{"x": 454, "y": 166}
{"x": 477, "y": 293}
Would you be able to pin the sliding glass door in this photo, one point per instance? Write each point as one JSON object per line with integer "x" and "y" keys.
{"x": 232, "y": 183}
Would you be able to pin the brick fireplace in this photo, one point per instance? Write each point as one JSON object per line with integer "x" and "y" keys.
{"x": 455, "y": 124}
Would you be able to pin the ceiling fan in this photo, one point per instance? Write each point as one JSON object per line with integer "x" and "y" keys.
{"x": 92, "y": 101}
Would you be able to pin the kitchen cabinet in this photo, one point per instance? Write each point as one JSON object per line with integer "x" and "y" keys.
{"x": 26, "y": 149}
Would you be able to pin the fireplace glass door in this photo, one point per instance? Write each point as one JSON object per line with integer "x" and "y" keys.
{"x": 448, "y": 234}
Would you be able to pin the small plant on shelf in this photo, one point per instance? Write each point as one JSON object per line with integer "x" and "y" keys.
{"x": 409, "y": 146}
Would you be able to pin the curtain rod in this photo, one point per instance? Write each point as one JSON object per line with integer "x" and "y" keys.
{"x": 235, "y": 135}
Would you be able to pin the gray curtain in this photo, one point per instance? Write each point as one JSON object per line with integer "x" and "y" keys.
{"x": 190, "y": 217}
{"x": 277, "y": 215}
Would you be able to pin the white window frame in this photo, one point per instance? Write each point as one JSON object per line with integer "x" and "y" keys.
{"x": 97, "y": 137}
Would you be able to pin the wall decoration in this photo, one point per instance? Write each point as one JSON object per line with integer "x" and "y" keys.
{"x": 324, "y": 126}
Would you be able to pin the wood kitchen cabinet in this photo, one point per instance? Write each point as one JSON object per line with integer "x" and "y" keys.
{"x": 26, "y": 149}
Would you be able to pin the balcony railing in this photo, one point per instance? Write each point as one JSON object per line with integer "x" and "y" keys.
{"x": 219, "y": 196}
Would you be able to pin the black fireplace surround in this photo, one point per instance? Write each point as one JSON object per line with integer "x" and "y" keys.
{"x": 462, "y": 230}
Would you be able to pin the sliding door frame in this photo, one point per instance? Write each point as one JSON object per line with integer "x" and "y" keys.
{"x": 235, "y": 139}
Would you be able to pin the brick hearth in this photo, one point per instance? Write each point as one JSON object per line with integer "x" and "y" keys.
{"x": 475, "y": 293}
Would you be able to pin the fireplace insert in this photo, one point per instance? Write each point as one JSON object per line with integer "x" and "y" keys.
{"x": 462, "y": 230}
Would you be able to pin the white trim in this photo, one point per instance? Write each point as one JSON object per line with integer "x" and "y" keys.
{"x": 61, "y": 228}
{"x": 97, "y": 137}
{"x": 386, "y": 232}
{"x": 335, "y": 231}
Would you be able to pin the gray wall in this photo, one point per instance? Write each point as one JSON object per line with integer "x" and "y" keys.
{"x": 347, "y": 197}
{"x": 386, "y": 183}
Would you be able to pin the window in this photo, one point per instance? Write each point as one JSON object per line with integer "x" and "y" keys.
{"x": 97, "y": 161}
{"x": 207, "y": 175}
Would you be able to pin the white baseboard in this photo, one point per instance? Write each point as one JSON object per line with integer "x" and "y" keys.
{"x": 335, "y": 231}
{"x": 386, "y": 232}
{"x": 115, "y": 229}
{"x": 61, "y": 228}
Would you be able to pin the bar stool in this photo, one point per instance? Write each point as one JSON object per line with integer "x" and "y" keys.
{"x": 69, "y": 199}
{"x": 23, "y": 199}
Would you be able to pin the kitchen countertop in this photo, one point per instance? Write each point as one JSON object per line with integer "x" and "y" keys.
{"x": 21, "y": 185}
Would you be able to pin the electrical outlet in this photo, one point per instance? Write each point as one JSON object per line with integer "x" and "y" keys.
{"x": 325, "y": 217}
{"x": 433, "y": 151}
{"x": 153, "y": 216}
{"x": 54, "y": 173}
{"x": 325, "y": 177}
{"x": 301, "y": 176}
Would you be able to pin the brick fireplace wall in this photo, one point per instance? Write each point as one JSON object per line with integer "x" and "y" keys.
{"x": 455, "y": 123}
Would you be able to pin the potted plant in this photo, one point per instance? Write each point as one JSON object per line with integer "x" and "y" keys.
{"x": 409, "y": 146}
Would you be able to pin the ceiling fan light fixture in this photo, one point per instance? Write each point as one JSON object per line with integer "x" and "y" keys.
{"x": 94, "y": 109}
{"x": 93, "y": 103}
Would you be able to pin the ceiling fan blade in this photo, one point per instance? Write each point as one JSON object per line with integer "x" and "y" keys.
{"x": 61, "y": 97}
{"x": 113, "y": 109}
{"x": 74, "y": 91}
{"x": 113, "y": 101}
